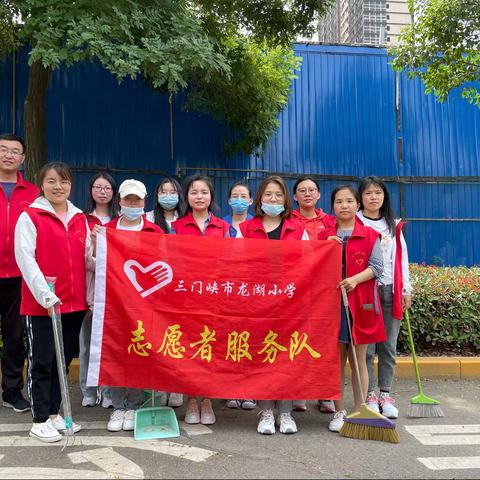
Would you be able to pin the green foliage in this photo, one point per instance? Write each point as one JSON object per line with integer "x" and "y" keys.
{"x": 235, "y": 49}
{"x": 261, "y": 77}
{"x": 442, "y": 47}
{"x": 445, "y": 310}
{"x": 8, "y": 37}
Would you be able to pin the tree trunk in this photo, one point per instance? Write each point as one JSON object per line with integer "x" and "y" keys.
{"x": 34, "y": 126}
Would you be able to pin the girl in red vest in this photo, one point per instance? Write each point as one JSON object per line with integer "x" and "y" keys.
{"x": 169, "y": 206}
{"x": 200, "y": 221}
{"x": 133, "y": 196}
{"x": 362, "y": 264}
{"x": 52, "y": 239}
{"x": 273, "y": 220}
{"x": 395, "y": 289}
{"x": 306, "y": 192}
{"x": 101, "y": 208}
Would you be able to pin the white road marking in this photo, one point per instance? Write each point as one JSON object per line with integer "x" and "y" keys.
{"x": 50, "y": 473}
{"x": 1, "y": 456}
{"x": 450, "y": 463}
{"x": 445, "y": 434}
{"x": 194, "y": 429}
{"x": 442, "y": 429}
{"x": 110, "y": 461}
{"x": 187, "y": 452}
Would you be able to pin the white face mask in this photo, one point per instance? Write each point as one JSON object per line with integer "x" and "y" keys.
{"x": 132, "y": 213}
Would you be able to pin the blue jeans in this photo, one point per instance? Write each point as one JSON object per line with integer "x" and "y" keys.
{"x": 386, "y": 351}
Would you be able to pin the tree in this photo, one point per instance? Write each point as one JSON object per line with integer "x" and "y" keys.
{"x": 442, "y": 47}
{"x": 241, "y": 46}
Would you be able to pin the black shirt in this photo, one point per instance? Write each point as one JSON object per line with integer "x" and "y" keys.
{"x": 275, "y": 234}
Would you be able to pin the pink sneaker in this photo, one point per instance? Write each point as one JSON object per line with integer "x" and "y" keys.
{"x": 386, "y": 405}
{"x": 207, "y": 415}
{"x": 372, "y": 402}
{"x": 192, "y": 414}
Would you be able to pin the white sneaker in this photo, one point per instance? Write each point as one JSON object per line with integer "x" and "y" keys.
{"x": 192, "y": 414}
{"x": 175, "y": 400}
{"x": 59, "y": 423}
{"x": 386, "y": 404}
{"x": 372, "y": 402}
{"x": 115, "y": 423}
{"x": 107, "y": 402}
{"x": 89, "y": 401}
{"x": 234, "y": 403}
{"x": 338, "y": 420}
{"x": 129, "y": 420}
{"x": 248, "y": 404}
{"x": 326, "y": 406}
{"x": 286, "y": 423}
{"x": 45, "y": 432}
{"x": 266, "y": 425}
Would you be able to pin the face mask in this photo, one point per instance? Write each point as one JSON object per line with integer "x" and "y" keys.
{"x": 132, "y": 213}
{"x": 272, "y": 210}
{"x": 168, "y": 202}
{"x": 239, "y": 205}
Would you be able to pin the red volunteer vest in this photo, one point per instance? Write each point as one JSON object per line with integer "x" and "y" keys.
{"x": 368, "y": 326}
{"x": 147, "y": 226}
{"x": 314, "y": 225}
{"x": 188, "y": 226}
{"x": 59, "y": 254}
{"x": 292, "y": 229}
{"x": 23, "y": 194}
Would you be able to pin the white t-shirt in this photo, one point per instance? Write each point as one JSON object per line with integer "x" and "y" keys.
{"x": 380, "y": 225}
{"x": 132, "y": 228}
{"x": 151, "y": 218}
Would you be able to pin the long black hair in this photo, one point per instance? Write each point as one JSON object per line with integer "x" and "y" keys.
{"x": 158, "y": 214}
{"x": 199, "y": 178}
{"x": 386, "y": 210}
{"x": 113, "y": 205}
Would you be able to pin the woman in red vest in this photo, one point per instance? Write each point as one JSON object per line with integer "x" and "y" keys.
{"x": 362, "y": 265}
{"x": 395, "y": 289}
{"x": 273, "y": 220}
{"x": 101, "y": 208}
{"x": 52, "y": 239}
{"x": 200, "y": 221}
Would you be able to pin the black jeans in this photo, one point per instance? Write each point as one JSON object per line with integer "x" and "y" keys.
{"x": 43, "y": 383}
{"x": 13, "y": 332}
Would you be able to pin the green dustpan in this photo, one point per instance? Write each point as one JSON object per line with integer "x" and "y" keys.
{"x": 155, "y": 422}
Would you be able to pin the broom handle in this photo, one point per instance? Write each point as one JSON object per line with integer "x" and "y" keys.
{"x": 354, "y": 352}
{"x": 412, "y": 348}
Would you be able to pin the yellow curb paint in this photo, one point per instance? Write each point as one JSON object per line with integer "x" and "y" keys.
{"x": 456, "y": 368}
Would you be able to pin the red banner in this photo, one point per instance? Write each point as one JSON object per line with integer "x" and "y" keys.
{"x": 220, "y": 318}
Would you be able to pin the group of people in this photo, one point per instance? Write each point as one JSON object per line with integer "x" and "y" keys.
{"x": 48, "y": 262}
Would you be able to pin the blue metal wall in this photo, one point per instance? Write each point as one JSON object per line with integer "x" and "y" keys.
{"x": 347, "y": 117}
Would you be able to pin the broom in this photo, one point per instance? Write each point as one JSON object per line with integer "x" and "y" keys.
{"x": 421, "y": 406}
{"x": 365, "y": 424}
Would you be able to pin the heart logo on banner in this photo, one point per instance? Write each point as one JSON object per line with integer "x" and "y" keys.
{"x": 359, "y": 261}
{"x": 159, "y": 273}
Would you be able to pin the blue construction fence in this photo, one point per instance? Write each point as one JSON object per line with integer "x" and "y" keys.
{"x": 349, "y": 115}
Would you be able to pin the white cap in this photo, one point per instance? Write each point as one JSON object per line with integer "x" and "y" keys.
{"x": 132, "y": 187}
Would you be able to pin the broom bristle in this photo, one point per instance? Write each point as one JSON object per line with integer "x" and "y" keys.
{"x": 421, "y": 410}
{"x": 369, "y": 432}
{"x": 369, "y": 425}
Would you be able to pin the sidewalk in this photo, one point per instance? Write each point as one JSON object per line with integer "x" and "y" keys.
{"x": 453, "y": 368}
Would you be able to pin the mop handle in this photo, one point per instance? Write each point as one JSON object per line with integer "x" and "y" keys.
{"x": 354, "y": 353}
{"x": 412, "y": 348}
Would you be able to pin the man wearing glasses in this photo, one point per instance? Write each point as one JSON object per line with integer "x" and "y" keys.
{"x": 15, "y": 195}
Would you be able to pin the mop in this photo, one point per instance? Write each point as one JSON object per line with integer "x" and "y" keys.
{"x": 62, "y": 369}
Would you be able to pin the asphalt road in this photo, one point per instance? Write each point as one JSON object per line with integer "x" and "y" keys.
{"x": 445, "y": 447}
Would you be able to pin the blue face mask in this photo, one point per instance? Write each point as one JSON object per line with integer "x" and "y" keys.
{"x": 272, "y": 210}
{"x": 168, "y": 202}
{"x": 239, "y": 205}
{"x": 132, "y": 213}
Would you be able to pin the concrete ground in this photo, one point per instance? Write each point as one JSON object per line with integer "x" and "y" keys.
{"x": 445, "y": 447}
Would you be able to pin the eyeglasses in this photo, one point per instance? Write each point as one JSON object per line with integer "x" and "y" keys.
{"x": 99, "y": 188}
{"x": 14, "y": 152}
{"x": 311, "y": 191}
{"x": 63, "y": 183}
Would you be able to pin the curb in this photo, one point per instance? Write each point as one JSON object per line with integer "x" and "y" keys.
{"x": 453, "y": 368}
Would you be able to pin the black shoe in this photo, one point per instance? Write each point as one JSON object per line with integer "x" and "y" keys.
{"x": 17, "y": 402}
